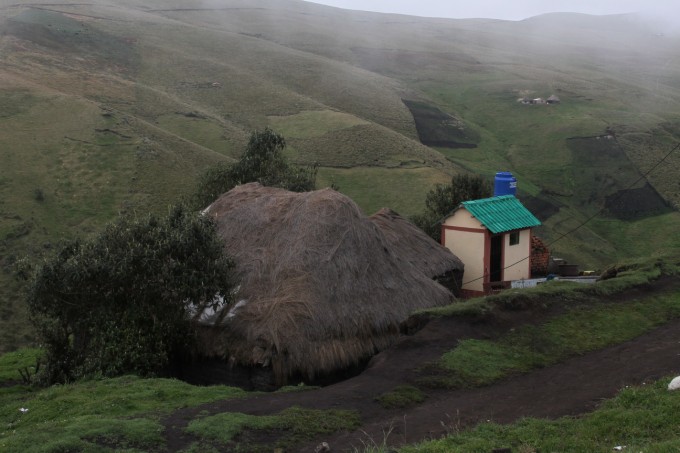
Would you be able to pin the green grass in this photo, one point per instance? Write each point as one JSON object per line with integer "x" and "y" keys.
{"x": 65, "y": 76}
{"x": 587, "y": 324}
{"x": 531, "y": 142}
{"x": 401, "y": 396}
{"x": 366, "y": 144}
{"x": 635, "y": 238}
{"x": 11, "y": 362}
{"x": 296, "y": 425}
{"x": 369, "y": 186}
{"x": 309, "y": 124}
{"x": 201, "y": 130}
{"x": 14, "y": 102}
{"x": 86, "y": 178}
{"x": 480, "y": 362}
{"x": 644, "y": 418}
{"x": 96, "y": 415}
{"x": 630, "y": 274}
{"x": 123, "y": 414}
{"x": 71, "y": 77}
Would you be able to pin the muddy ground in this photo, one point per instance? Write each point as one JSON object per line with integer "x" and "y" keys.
{"x": 573, "y": 387}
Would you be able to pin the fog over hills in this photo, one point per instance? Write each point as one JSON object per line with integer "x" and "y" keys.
{"x": 109, "y": 107}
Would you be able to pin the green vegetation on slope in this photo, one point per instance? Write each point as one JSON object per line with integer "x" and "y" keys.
{"x": 575, "y": 175}
{"x": 309, "y": 124}
{"x": 101, "y": 415}
{"x": 371, "y": 187}
{"x": 25, "y": 360}
{"x": 120, "y": 107}
{"x": 587, "y": 324}
{"x": 117, "y": 303}
{"x": 297, "y": 424}
{"x": 125, "y": 413}
{"x": 644, "y": 418}
{"x": 401, "y": 396}
{"x": 479, "y": 362}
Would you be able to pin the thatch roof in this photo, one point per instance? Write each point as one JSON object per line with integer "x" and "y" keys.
{"x": 320, "y": 286}
{"x": 413, "y": 245}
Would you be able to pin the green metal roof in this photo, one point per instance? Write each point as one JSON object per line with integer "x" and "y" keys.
{"x": 500, "y": 214}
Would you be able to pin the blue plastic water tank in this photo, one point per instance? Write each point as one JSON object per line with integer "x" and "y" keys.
{"x": 504, "y": 184}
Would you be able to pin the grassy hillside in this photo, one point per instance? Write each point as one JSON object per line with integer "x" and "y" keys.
{"x": 109, "y": 108}
{"x": 133, "y": 414}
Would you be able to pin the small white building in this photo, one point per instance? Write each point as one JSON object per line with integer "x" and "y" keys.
{"x": 492, "y": 237}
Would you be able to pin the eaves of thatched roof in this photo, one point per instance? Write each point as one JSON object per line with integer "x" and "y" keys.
{"x": 320, "y": 284}
{"x": 414, "y": 246}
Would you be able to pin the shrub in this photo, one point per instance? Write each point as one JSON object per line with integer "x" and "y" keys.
{"x": 443, "y": 199}
{"x": 262, "y": 162}
{"x": 118, "y": 303}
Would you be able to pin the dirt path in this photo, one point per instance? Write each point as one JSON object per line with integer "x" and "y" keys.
{"x": 572, "y": 387}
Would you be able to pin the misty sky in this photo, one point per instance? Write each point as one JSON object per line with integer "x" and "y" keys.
{"x": 506, "y": 9}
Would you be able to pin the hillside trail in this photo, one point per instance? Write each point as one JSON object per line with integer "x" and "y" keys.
{"x": 572, "y": 387}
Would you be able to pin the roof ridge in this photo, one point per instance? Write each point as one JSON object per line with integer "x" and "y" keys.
{"x": 502, "y": 213}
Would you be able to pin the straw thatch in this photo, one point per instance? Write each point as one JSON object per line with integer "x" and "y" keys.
{"x": 411, "y": 244}
{"x": 320, "y": 288}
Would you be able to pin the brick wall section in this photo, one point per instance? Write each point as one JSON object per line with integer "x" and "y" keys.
{"x": 540, "y": 257}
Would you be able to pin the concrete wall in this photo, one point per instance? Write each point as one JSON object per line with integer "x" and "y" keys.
{"x": 518, "y": 253}
{"x": 466, "y": 237}
{"x": 469, "y": 240}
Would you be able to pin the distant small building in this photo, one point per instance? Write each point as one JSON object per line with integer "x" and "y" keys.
{"x": 553, "y": 99}
{"x": 492, "y": 237}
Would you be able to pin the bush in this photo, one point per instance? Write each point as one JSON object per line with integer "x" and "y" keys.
{"x": 262, "y": 162}
{"x": 118, "y": 303}
{"x": 443, "y": 199}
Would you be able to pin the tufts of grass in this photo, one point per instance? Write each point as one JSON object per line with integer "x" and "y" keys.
{"x": 370, "y": 445}
{"x": 313, "y": 123}
{"x": 401, "y": 396}
{"x": 373, "y": 188}
{"x": 588, "y": 324}
{"x": 475, "y": 363}
{"x": 294, "y": 425}
{"x": 202, "y": 130}
{"x": 122, "y": 413}
{"x": 644, "y": 418}
{"x": 23, "y": 359}
{"x": 224, "y": 427}
{"x": 472, "y": 308}
{"x": 629, "y": 275}
{"x": 199, "y": 447}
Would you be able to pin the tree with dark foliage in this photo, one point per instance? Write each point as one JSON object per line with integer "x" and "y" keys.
{"x": 263, "y": 161}
{"x": 443, "y": 199}
{"x": 118, "y": 303}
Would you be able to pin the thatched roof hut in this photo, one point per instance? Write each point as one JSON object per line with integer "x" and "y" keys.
{"x": 411, "y": 244}
{"x": 320, "y": 288}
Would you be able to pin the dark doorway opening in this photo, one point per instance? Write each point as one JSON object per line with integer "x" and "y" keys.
{"x": 496, "y": 265}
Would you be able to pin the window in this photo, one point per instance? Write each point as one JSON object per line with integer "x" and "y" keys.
{"x": 514, "y": 238}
